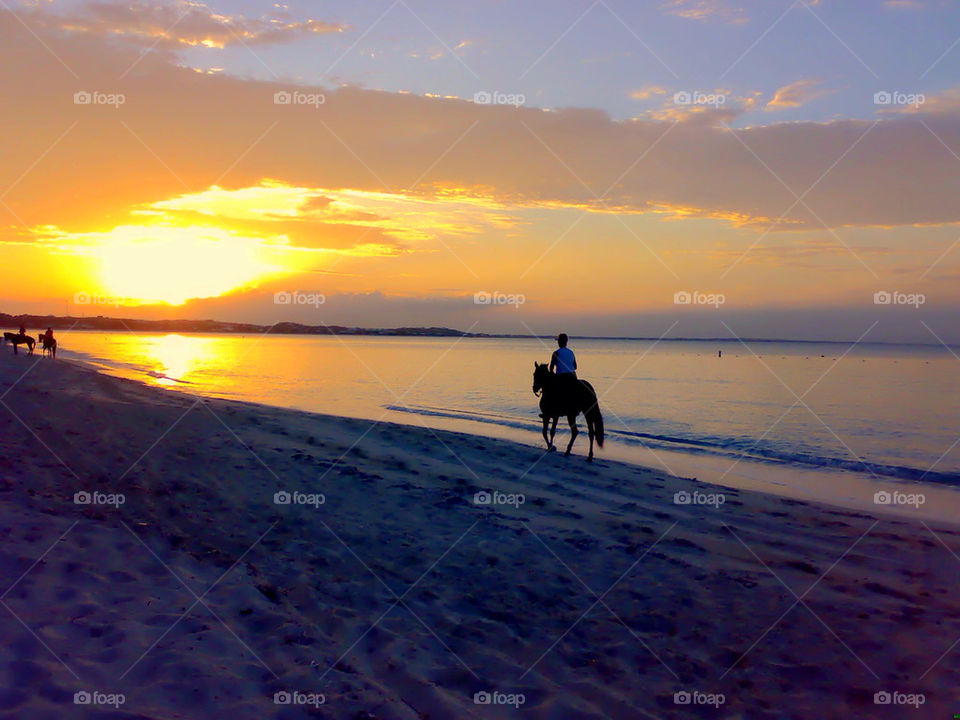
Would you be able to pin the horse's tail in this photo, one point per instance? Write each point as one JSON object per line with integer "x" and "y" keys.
{"x": 593, "y": 415}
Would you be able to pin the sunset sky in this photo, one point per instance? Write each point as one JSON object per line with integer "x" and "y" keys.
{"x": 795, "y": 158}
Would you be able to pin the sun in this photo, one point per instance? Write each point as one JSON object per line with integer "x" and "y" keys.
{"x": 172, "y": 264}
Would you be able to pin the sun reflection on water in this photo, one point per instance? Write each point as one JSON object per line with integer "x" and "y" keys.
{"x": 178, "y": 357}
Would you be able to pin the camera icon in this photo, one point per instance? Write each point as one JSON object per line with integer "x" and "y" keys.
{"x": 882, "y": 298}
{"x": 882, "y": 698}
{"x": 682, "y": 298}
{"x": 81, "y": 298}
{"x": 482, "y": 298}
{"x": 882, "y": 98}
{"x": 82, "y": 498}
{"x": 282, "y": 498}
{"x": 682, "y": 698}
{"x": 482, "y": 498}
{"x": 282, "y": 698}
{"x": 482, "y": 698}
{"x": 82, "y": 697}
{"x": 282, "y": 298}
{"x": 682, "y": 98}
{"x": 282, "y": 97}
{"x": 482, "y": 98}
{"x": 882, "y": 497}
{"x": 82, "y": 97}
{"x": 681, "y": 498}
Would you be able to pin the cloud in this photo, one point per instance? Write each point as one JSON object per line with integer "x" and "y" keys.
{"x": 942, "y": 103}
{"x": 645, "y": 93}
{"x": 179, "y": 133}
{"x": 796, "y": 94}
{"x": 399, "y": 219}
{"x": 185, "y": 24}
{"x": 706, "y": 10}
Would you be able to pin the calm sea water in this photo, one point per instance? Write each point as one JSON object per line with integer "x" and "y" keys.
{"x": 886, "y": 411}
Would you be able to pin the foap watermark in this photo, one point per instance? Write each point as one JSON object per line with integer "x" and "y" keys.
{"x": 695, "y": 697}
{"x": 285, "y": 697}
{"x": 296, "y": 297}
{"x": 498, "y": 298}
{"x": 494, "y": 497}
{"x": 82, "y": 497}
{"x": 696, "y": 297}
{"x": 93, "y": 298}
{"x": 698, "y": 498}
{"x": 695, "y": 97}
{"x": 95, "y": 97}
{"x": 895, "y": 697}
{"x": 485, "y": 97}
{"x": 884, "y": 497}
{"x": 298, "y": 498}
{"x": 95, "y": 697}
{"x": 495, "y": 697}
{"x": 895, "y": 98}
{"x": 895, "y": 297}
{"x": 298, "y": 97}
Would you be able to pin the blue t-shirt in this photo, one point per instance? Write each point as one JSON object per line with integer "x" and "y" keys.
{"x": 566, "y": 362}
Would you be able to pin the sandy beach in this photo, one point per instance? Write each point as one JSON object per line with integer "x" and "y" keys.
{"x": 169, "y": 556}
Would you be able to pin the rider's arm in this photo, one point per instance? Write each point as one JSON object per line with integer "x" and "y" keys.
{"x": 553, "y": 360}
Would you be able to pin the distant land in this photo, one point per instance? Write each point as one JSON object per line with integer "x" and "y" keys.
{"x": 100, "y": 322}
{"x": 38, "y": 323}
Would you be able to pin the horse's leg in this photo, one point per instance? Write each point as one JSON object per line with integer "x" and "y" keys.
{"x": 590, "y": 435}
{"x": 546, "y": 421}
{"x": 572, "y": 419}
{"x": 553, "y": 431}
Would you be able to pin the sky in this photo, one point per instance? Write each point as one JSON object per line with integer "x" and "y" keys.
{"x": 676, "y": 168}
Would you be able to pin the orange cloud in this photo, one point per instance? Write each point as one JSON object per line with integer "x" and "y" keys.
{"x": 706, "y": 10}
{"x": 185, "y": 24}
{"x": 179, "y": 133}
{"x": 796, "y": 94}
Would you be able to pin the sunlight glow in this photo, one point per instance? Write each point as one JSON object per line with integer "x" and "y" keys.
{"x": 174, "y": 264}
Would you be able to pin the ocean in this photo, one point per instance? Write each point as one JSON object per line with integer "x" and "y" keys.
{"x": 788, "y": 417}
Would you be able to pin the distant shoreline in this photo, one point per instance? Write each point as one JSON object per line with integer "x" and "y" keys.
{"x": 101, "y": 322}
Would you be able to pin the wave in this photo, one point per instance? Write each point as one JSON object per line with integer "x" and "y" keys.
{"x": 754, "y": 450}
{"x": 126, "y": 369}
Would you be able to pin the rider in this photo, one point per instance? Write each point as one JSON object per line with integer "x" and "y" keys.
{"x": 23, "y": 330}
{"x": 564, "y": 363}
{"x": 48, "y": 336}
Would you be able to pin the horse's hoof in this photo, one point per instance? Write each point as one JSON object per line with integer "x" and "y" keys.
{"x": 551, "y": 449}
{"x": 589, "y": 459}
{"x": 567, "y": 454}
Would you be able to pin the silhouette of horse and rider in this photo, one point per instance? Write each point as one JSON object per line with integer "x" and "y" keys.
{"x": 47, "y": 341}
{"x": 563, "y": 393}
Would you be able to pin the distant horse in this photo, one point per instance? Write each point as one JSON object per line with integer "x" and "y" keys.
{"x": 49, "y": 346}
{"x": 18, "y": 339}
{"x": 560, "y": 397}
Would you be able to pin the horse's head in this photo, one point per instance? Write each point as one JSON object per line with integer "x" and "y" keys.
{"x": 540, "y": 375}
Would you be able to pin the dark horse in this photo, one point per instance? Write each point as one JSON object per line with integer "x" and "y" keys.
{"x": 49, "y": 346}
{"x": 17, "y": 339}
{"x": 555, "y": 400}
